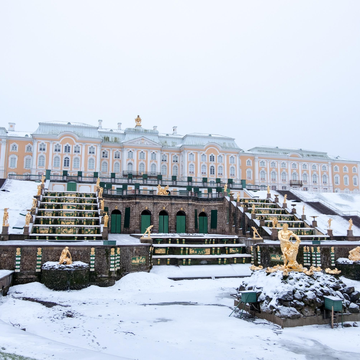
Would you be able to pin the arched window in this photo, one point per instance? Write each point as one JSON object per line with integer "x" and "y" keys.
{"x": 262, "y": 163}
{"x": 91, "y": 150}
{"x": 345, "y": 169}
{"x": 130, "y": 167}
{"x": 163, "y": 170}
{"x": 232, "y": 171}
{"x": 203, "y": 157}
{"x": 262, "y": 175}
{"x": 76, "y": 163}
{"x": 304, "y": 166}
{"x": 27, "y": 164}
{"x": 293, "y": 166}
{"x": 283, "y": 176}
{"x": 324, "y": 179}
{"x": 142, "y": 155}
{"x": 14, "y": 147}
{"x": 212, "y": 158}
{"x": 142, "y": 168}
{"x": 220, "y": 171}
{"x": 336, "y": 168}
{"x": 41, "y": 161}
{"x": 104, "y": 154}
{"x": 273, "y": 164}
{"x": 346, "y": 180}
{"x": 28, "y": 148}
{"x": 323, "y": 167}
{"x": 153, "y": 169}
{"x": 191, "y": 157}
{"x": 117, "y": 167}
{"x": 283, "y": 165}
{"x": 91, "y": 164}
{"x": 153, "y": 156}
{"x": 175, "y": 170}
{"x": 66, "y": 162}
{"x": 273, "y": 176}
{"x": 104, "y": 167}
{"x": 13, "y": 161}
{"x": 355, "y": 181}
{"x": 337, "y": 180}
{"x": 248, "y": 162}
{"x": 42, "y": 147}
{"x": 57, "y": 148}
{"x": 354, "y": 169}
{"x": 77, "y": 149}
{"x": 305, "y": 178}
{"x": 203, "y": 169}
{"x": 220, "y": 159}
{"x": 130, "y": 154}
{"x": 232, "y": 160}
{"x": 163, "y": 158}
{"x": 249, "y": 174}
{"x": 175, "y": 159}
{"x": 57, "y": 161}
{"x": 67, "y": 149}
{"x": 315, "y": 178}
{"x": 313, "y": 167}
{"x": 117, "y": 155}
{"x": 294, "y": 176}
{"x": 191, "y": 169}
{"x": 212, "y": 170}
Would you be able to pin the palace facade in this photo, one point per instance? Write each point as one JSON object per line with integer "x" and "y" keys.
{"x": 114, "y": 153}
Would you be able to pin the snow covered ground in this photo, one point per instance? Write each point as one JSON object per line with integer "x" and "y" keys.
{"x": 147, "y": 316}
{"x": 17, "y": 195}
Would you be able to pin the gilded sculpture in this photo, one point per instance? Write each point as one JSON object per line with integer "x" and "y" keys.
{"x": 285, "y": 198}
{"x": 333, "y": 272}
{"x": 256, "y": 235}
{"x": 148, "y": 232}
{"x": 304, "y": 210}
{"x": 274, "y": 222}
{"x": 65, "y": 257}
{"x": 34, "y": 203}
{"x": 6, "y": 217}
{"x": 102, "y": 204}
{"x": 329, "y": 223}
{"x": 225, "y": 188}
{"x": 38, "y": 190}
{"x": 253, "y": 209}
{"x": 106, "y": 220}
{"x": 100, "y": 192}
{"x": 268, "y": 189}
{"x": 238, "y": 197}
{"x": 163, "y": 191}
{"x": 350, "y": 224}
{"x": 138, "y": 121}
{"x": 27, "y": 219}
{"x": 354, "y": 254}
{"x": 42, "y": 179}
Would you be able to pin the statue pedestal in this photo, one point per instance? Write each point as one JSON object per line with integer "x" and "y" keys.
{"x": 253, "y": 216}
{"x": 350, "y": 235}
{"x": 284, "y": 205}
{"x": 5, "y": 232}
{"x": 314, "y": 224}
{"x": 146, "y": 240}
{"x": 293, "y": 210}
{"x": 330, "y": 233}
{"x": 26, "y": 230}
{"x": 105, "y": 233}
{"x": 274, "y": 234}
{"x": 262, "y": 222}
{"x": 268, "y": 196}
{"x": 303, "y": 217}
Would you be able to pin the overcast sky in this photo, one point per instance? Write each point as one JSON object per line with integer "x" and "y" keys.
{"x": 276, "y": 73}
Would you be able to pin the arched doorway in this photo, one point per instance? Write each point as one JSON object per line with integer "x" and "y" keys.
{"x": 180, "y": 222}
{"x": 115, "y": 222}
{"x": 163, "y": 222}
{"x": 203, "y": 223}
{"x": 145, "y": 220}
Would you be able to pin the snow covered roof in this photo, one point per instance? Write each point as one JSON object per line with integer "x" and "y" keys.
{"x": 57, "y": 127}
{"x": 280, "y": 151}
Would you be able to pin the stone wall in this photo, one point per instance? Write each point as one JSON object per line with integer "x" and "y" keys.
{"x": 102, "y": 275}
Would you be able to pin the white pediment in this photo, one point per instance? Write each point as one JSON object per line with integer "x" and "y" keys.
{"x": 141, "y": 141}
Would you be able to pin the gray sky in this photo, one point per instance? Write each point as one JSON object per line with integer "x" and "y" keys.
{"x": 277, "y": 73}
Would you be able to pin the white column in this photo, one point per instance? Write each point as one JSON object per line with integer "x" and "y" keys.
{"x": 110, "y": 161}
{"x": 227, "y": 175}
{"x": 82, "y": 154}
{"x": 148, "y": 161}
{"x": 123, "y": 160}
{"x": 185, "y": 174}
{"x": 268, "y": 173}
{"x": 50, "y": 156}
{"x": 98, "y": 154}
{"x": 34, "y": 164}
{"x": 256, "y": 170}
{"x": 158, "y": 161}
{"x": 2, "y": 158}
{"x": 330, "y": 177}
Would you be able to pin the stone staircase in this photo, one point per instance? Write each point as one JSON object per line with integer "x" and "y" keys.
{"x": 67, "y": 216}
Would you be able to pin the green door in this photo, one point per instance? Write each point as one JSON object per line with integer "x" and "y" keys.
{"x": 203, "y": 224}
{"x": 71, "y": 186}
{"x": 163, "y": 224}
{"x": 115, "y": 223}
{"x": 145, "y": 222}
{"x": 180, "y": 224}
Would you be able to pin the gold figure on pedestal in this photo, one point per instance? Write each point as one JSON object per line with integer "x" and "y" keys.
{"x": 138, "y": 121}
{"x": 354, "y": 254}
{"x": 163, "y": 191}
{"x": 304, "y": 210}
{"x": 333, "y": 272}
{"x": 101, "y": 192}
{"x": 285, "y": 198}
{"x": 256, "y": 235}
{"x": 102, "y": 204}
{"x": 42, "y": 179}
{"x": 38, "y": 190}
{"x": 253, "y": 209}
{"x": 65, "y": 257}
{"x": 34, "y": 203}
{"x": 27, "y": 219}
{"x": 350, "y": 224}
{"x": 274, "y": 222}
{"x": 238, "y": 197}
{"x": 255, "y": 268}
{"x": 148, "y": 232}
{"x": 6, "y": 217}
{"x": 268, "y": 189}
{"x": 106, "y": 220}
{"x": 329, "y": 223}
{"x": 225, "y": 188}
{"x": 97, "y": 185}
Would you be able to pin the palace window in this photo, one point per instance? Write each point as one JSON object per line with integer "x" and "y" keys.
{"x": 57, "y": 161}
{"x": 315, "y": 178}
{"x": 305, "y": 178}
{"x": 248, "y": 162}
{"x": 41, "y": 161}
{"x": 354, "y": 169}
{"x": 130, "y": 166}
{"x": 220, "y": 171}
{"x": 142, "y": 168}
{"x": 57, "y": 148}
{"x": 313, "y": 167}
{"x": 273, "y": 164}
{"x": 91, "y": 164}
{"x": 283, "y": 176}
{"x": 220, "y": 159}
{"x": 67, "y": 149}
{"x": 191, "y": 169}
{"x": 76, "y": 163}
{"x": 163, "y": 158}
{"x": 293, "y": 166}
{"x": 283, "y": 165}
{"x": 203, "y": 157}
{"x": 191, "y": 157}
{"x": 42, "y": 147}
{"x": 345, "y": 169}
{"x": 324, "y": 179}
{"x": 232, "y": 171}
{"x": 117, "y": 167}
{"x": 346, "y": 180}
{"x": 163, "y": 170}
{"x": 175, "y": 159}
{"x": 262, "y": 175}
{"x": 142, "y": 155}
{"x": 104, "y": 167}
{"x": 232, "y": 160}
{"x": 28, "y": 148}
{"x": 27, "y": 164}
{"x": 324, "y": 168}
{"x": 304, "y": 166}
{"x": 117, "y": 155}
{"x": 262, "y": 163}
{"x": 92, "y": 150}
{"x": 203, "y": 169}
{"x": 77, "y": 149}
{"x": 153, "y": 156}
{"x": 212, "y": 170}
{"x": 212, "y": 158}
{"x": 249, "y": 174}
{"x": 153, "y": 169}
{"x": 355, "y": 181}
{"x": 175, "y": 170}
{"x": 104, "y": 154}
{"x": 14, "y": 147}
{"x": 273, "y": 176}
{"x": 130, "y": 154}
{"x": 336, "y": 168}
{"x": 294, "y": 176}
{"x": 12, "y": 161}
{"x": 66, "y": 162}
{"x": 337, "y": 180}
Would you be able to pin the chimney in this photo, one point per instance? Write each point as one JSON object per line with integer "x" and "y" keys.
{"x": 174, "y": 130}
{"x": 119, "y": 126}
{"x": 154, "y": 128}
{"x": 100, "y": 124}
{"x": 12, "y": 126}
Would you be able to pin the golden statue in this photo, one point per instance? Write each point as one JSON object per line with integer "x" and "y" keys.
{"x": 312, "y": 270}
{"x": 354, "y": 254}
{"x": 333, "y": 272}
{"x": 256, "y": 235}
{"x": 42, "y": 179}
{"x": 38, "y": 190}
{"x": 101, "y": 192}
{"x": 329, "y": 223}
{"x": 98, "y": 182}
{"x": 102, "y": 204}
{"x": 148, "y": 232}
{"x": 253, "y": 209}
{"x": 27, "y": 219}
{"x": 225, "y": 188}
{"x": 106, "y": 220}
{"x": 350, "y": 224}
{"x": 274, "y": 222}
{"x": 268, "y": 189}
{"x": 34, "y": 203}
{"x": 304, "y": 210}
{"x": 254, "y": 268}
{"x": 65, "y": 257}
{"x": 138, "y": 121}
{"x": 163, "y": 191}
{"x": 6, "y": 217}
{"x": 238, "y": 197}
{"x": 285, "y": 197}
{"x": 38, "y": 251}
